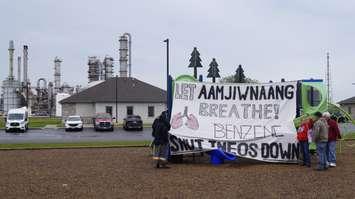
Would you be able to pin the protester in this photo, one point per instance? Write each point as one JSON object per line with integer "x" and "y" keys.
{"x": 333, "y": 135}
{"x": 161, "y": 127}
{"x": 302, "y": 137}
{"x": 320, "y": 137}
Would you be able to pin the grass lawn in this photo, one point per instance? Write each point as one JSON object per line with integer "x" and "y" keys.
{"x": 98, "y": 144}
{"x": 38, "y": 122}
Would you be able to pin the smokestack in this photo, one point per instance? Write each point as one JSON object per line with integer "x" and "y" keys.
{"x": 11, "y": 59}
{"x": 129, "y": 53}
{"x": 25, "y": 64}
{"x": 19, "y": 68}
{"x": 57, "y": 74}
{"x": 94, "y": 71}
{"x": 108, "y": 65}
{"x": 123, "y": 56}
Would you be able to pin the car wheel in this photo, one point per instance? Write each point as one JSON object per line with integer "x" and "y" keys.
{"x": 141, "y": 129}
{"x": 81, "y": 129}
{"x": 7, "y": 131}
{"x": 111, "y": 129}
{"x": 66, "y": 130}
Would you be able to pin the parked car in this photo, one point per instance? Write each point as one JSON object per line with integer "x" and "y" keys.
{"x": 133, "y": 122}
{"x": 74, "y": 122}
{"x": 103, "y": 121}
{"x": 17, "y": 119}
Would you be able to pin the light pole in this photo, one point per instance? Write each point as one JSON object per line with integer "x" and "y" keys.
{"x": 167, "y": 69}
{"x": 116, "y": 97}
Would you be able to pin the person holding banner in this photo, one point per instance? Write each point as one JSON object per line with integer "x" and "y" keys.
{"x": 320, "y": 137}
{"x": 161, "y": 127}
{"x": 302, "y": 137}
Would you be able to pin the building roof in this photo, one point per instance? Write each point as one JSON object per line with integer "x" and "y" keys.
{"x": 350, "y": 100}
{"x": 129, "y": 90}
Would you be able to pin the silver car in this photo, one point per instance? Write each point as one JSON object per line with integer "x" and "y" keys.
{"x": 74, "y": 123}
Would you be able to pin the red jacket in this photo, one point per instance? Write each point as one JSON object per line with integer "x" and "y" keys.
{"x": 302, "y": 132}
{"x": 333, "y": 132}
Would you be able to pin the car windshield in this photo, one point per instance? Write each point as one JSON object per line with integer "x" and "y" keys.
{"x": 15, "y": 116}
{"x": 74, "y": 119}
{"x": 134, "y": 117}
{"x": 103, "y": 116}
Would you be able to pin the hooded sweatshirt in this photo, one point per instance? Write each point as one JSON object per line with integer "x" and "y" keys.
{"x": 320, "y": 130}
{"x": 334, "y": 132}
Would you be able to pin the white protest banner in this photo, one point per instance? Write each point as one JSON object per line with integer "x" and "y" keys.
{"x": 250, "y": 120}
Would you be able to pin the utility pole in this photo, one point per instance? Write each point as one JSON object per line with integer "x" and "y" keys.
{"x": 328, "y": 80}
{"x": 167, "y": 67}
{"x": 116, "y": 97}
{"x": 27, "y": 100}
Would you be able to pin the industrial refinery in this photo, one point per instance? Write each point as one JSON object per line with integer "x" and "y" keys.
{"x": 42, "y": 97}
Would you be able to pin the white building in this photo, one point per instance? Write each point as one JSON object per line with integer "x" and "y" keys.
{"x": 131, "y": 97}
{"x": 349, "y": 106}
{"x": 58, "y": 106}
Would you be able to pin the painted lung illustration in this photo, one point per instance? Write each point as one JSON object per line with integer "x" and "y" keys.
{"x": 176, "y": 121}
{"x": 192, "y": 122}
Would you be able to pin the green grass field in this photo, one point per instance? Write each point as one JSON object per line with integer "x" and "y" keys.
{"x": 97, "y": 144}
{"x": 39, "y": 122}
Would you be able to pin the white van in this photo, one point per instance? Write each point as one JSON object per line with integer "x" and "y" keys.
{"x": 17, "y": 119}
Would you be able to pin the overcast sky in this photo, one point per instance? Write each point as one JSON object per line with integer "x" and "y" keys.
{"x": 271, "y": 39}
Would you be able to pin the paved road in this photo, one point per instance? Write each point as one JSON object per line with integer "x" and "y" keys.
{"x": 59, "y": 135}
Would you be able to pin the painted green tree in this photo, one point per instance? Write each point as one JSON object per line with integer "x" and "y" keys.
{"x": 213, "y": 71}
{"x": 195, "y": 61}
{"x": 239, "y": 76}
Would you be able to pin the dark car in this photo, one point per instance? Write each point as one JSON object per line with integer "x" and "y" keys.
{"x": 133, "y": 122}
{"x": 103, "y": 121}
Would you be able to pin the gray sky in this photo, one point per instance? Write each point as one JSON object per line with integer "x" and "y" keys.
{"x": 271, "y": 39}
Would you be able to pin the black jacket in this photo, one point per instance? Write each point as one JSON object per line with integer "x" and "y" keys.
{"x": 160, "y": 132}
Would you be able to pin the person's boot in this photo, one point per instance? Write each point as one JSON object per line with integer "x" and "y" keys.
{"x": 157, "y": 165}
{"x": 164, "y": 166}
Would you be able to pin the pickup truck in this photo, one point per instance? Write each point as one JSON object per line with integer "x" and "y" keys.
{"x": 103, "y": 121}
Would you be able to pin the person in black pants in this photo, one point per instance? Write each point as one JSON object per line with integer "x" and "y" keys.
{"x": 161, "y": 127}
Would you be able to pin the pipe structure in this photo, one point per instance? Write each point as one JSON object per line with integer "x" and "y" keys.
{"x": 11, "y": 59}
{"x": 39, "y": 83}
{"x": 129, "y": 53}
{"x": 57, "y": 74}
{"x": 19, "y": 68}
{"x": 123, "y": 56}
{"x": 25, "y": 64}
{"x": 108, "y": 67}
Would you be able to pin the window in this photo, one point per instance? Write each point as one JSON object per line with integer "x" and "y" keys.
{"x": 349, "y": 109}
{"x": 109, "y": 110}
{"x": 150, "y": 111}
{"x": 129, "y": 110}
{"x": 314, "y": 97}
